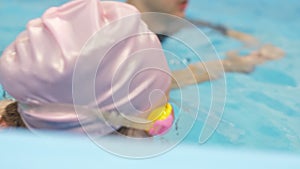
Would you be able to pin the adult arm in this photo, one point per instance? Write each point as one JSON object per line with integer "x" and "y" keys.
{"x": 198, "y": 72}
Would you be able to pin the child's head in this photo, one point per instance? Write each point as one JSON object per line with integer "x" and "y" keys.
{"x": 173, "y": 7}
{"x": 131, "y": 77}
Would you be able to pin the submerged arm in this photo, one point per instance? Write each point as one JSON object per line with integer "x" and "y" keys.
{"x": 201, "y": 72}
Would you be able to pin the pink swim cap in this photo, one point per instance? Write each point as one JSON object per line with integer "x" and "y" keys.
{"x": 37, "y": 69}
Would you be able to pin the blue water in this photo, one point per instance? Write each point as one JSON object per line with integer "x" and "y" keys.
{"x": 262, "y": 108}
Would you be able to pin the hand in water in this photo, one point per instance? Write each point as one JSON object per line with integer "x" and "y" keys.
{"x": 269, "y": 52}
{"x": 201, "y": 72}
{"x": 246, "y": 64}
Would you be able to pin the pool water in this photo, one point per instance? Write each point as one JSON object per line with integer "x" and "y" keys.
{"x": 262, "y": 108}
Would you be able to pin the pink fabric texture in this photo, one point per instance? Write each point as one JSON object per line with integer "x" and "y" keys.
{"x": 37, "y": 69}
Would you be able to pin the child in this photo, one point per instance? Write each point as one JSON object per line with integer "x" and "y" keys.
{"x": 39, "y": 70}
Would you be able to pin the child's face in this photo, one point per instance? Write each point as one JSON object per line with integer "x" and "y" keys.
{"x": 173, "y": 7}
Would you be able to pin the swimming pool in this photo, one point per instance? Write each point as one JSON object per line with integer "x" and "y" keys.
{"x": 262, "y": 109}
